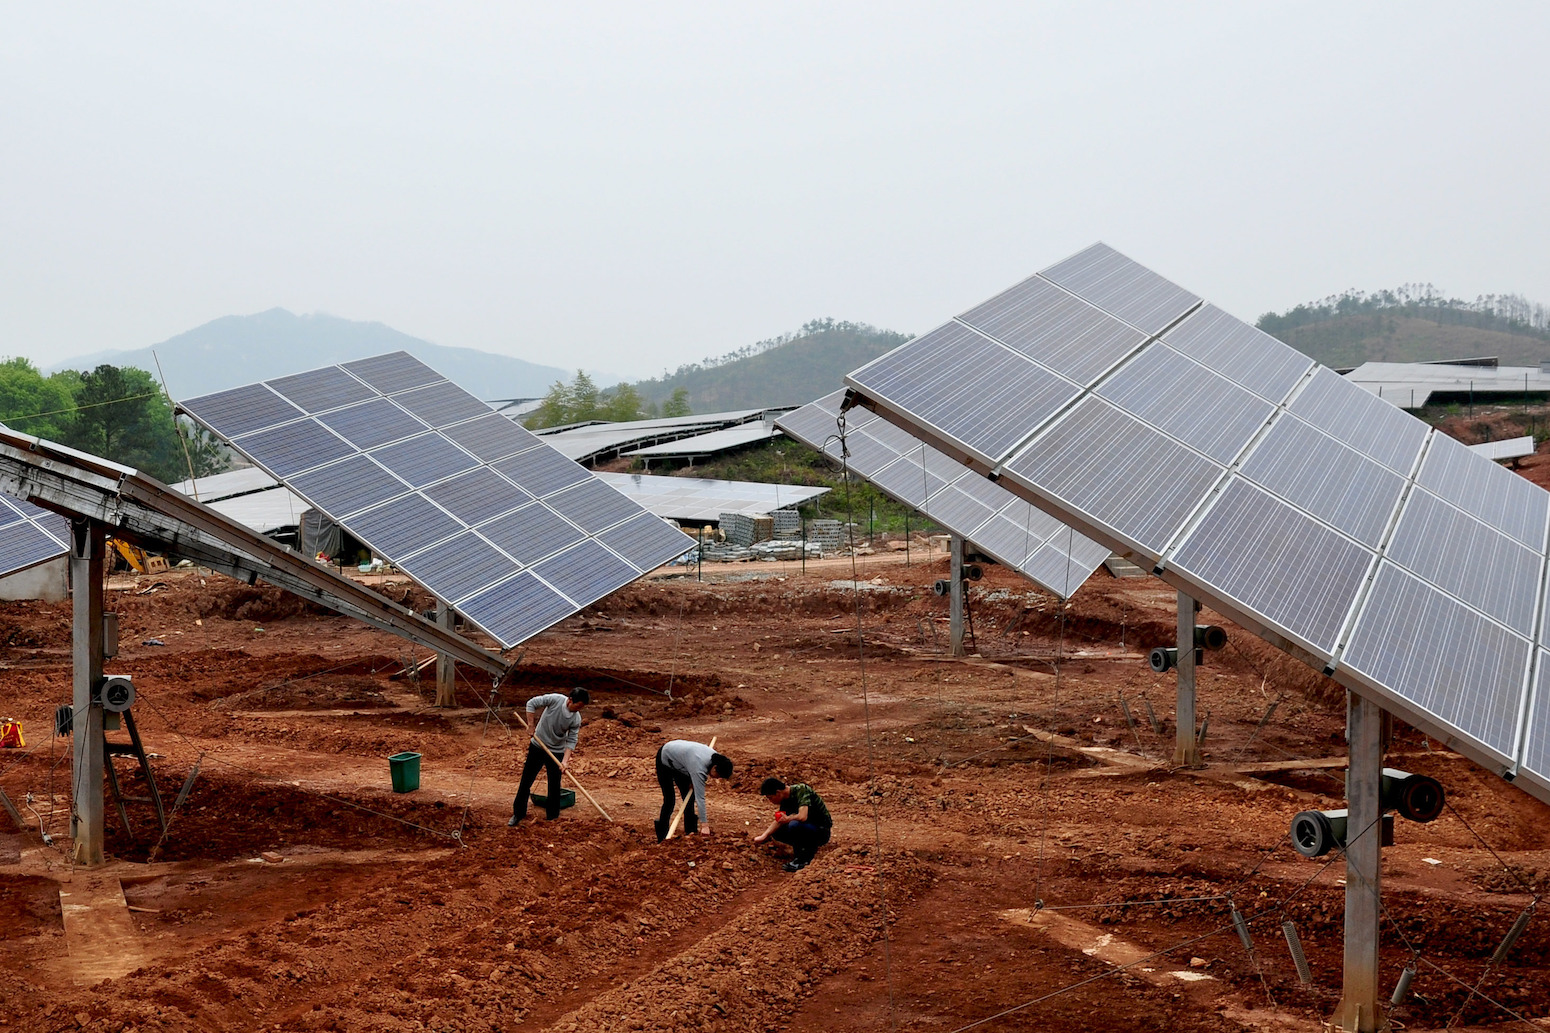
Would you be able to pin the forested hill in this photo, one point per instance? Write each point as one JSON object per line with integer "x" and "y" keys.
{"x": 1414, "y": 323}
{"x": 788, "y": 370}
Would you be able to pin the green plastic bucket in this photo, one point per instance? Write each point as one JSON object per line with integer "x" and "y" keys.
{"x": 406, "y": 772}
{"x": 567, "y": 799}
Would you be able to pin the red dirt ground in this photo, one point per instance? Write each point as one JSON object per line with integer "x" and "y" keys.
{"x": 968, "y": 796}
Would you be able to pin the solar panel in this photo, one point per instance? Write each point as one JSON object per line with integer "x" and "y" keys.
{"x": 1055, "y": 329}
{"x": 906, "y": 469}
{"x": 702, "y": 499}
{"x": 987, "y": 414}
{"x": 29, "y": 535}
{"x": 1248, "y": 357}
{"x": 1340, "y": 527}
{"x": 1119, "y": 285}
{"x": 482, "y": 513}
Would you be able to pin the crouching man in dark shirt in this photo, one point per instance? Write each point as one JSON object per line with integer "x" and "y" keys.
{"x": 801, "y": 821}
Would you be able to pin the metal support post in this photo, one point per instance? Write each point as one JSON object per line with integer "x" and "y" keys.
{"x": 955, "y": 597}
{"x": 1186, "y": 751}
{"x": 87, "y": 542}
{"x": 446, "y": 666}
{"x": 1358, "y": 1009}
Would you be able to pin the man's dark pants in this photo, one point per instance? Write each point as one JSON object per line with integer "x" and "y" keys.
{"x": 803, "y": 837}
{"x": 537, "y": 758}
{"x": 670, "y": 780}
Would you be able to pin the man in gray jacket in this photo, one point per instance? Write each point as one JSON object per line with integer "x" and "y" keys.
{"x": 558, "y": 724}
{"x": 684, "y": 765}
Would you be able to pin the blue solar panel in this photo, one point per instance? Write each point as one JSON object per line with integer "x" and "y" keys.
{"x": 372, "y": 423}
{"x": 517, "y": 608}
{"x": 585, "y": 571}
{"x": 475, "y": 470}
{"x": 1119, "y": 285}
{"x": 647, "y": 541}
{"x": 1048, "y": 325}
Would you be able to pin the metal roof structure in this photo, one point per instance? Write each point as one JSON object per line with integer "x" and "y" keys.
{"x": 1507, "y": 448}
{"x": 597, "y": 440}
{"x": 249, "y": 496}
{"x": 1410, "y": 385}
{"x": 909, "y": 471}
{"x": 485, "y": 515}
{"x": 1311, "y": 512}
{"x": 227, "y": 485}
{"x": 709, "y": 443}
{"x": 700, "y": 500}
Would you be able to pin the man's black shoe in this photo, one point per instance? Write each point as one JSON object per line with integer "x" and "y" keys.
{"x": 796, "y": 864}
{"x": 661, "y": 829}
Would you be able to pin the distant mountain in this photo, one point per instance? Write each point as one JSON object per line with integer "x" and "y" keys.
{"x": 792, "y": 369}
{"x": 236, "y": 350}
{"x": 1414, "y": 324}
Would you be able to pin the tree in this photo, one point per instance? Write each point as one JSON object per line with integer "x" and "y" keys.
{"x": 552, "y": 411}
{"x": 678, "y": 405}
{"x": 623, "y": 405}
{"x": 583, "y": 399}
{"x": 122, "y": 415}
{"x": 202, "y": 450}
{"x": 34, "y": 404}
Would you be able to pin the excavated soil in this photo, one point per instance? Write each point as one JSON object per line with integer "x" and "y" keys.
{"x": 1004, "y": 824}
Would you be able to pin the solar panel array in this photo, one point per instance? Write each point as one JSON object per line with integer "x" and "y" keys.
{"x": 29, "y": 535}
{"x": 482, "y": 513}
{"x": 1411, "y": 568}
{"x": 908, "y": 470}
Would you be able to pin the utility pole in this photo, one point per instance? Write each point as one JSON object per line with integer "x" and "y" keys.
{"x": 955, "y": 598}
{"x": 1358, "y": 1009}
{"x": 446, "y": 666}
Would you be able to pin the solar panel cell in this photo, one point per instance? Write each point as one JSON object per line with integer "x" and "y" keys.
{"x": 1465, "y": 558}
{"x": 585, "y": 571}
{"x": 24, "y": 544}
{"x": 403, "y": 526}
{"x": 531, "y": 534}
{"x": 347, "y": 486}
{"x": 1501, "y": 498}
{"x": 1536, "y": 745}
{"x": 395, "y": 371}
{"x": 1174, "y": 394}
{"x": 242, "y": 410}
{"x": 1275, "y": 561}
{"x": 293, "y": 447}
{"x": 1335, "y": 483}
{"x": 1118, "y": 470}
{"x": 442, "y": 404}
{"x": 1248, "y": 357}
{"x": 1048, "y": 325}
{"x": 541, "y": 471}
{"x": 372, "y": 423}
{"x": 491, "y": 437}
{"x": 593, "y": 505}
{"x": 422, "y": 460}
{"x": 322, "y": 389}
{"x": 459, "y": 566}
{"x": 1451, "y": 662}
{"x": 646, "y": 541}
{"x": 981, "y": 394}
{"x": 478, "y": 495}
{"x": 1363, "y": 421}
{"x": 517, "y": 608}
{"x": 959, "y": 509}
{"x": 1119, "y": 285}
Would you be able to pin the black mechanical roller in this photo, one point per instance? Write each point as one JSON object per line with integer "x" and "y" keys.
{"x": 118, "y": 694}
{"x": 1313, "y": 834}
{"x": 1416, "y": 797}
{"x": 942, "y": 586}
{"x": 1163, "y": 659}
{"x": 1209, "y": 636}
{"x": 973, "y": 572}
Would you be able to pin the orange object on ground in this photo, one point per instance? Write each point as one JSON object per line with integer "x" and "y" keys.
{"x": 11, "y": 734}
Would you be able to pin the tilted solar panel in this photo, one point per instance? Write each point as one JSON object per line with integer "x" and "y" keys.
{"x": 1311, "y": 511}
{"x": 482, "y": 513}
{"x": 912, "y": 472}
{"x": 29, "y": 535}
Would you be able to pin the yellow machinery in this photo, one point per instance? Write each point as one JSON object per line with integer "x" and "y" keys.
{"x": 138, "y": 558}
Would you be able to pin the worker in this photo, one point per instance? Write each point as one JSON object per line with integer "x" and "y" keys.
{"x": 801, "y": 820}
{"x": 684, "y": 765}
{"x": 557, "y": 725}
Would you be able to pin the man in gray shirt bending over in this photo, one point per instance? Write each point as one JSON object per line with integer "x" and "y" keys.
{"x": 559, "y": 722}
{"x": 684, "y": 765}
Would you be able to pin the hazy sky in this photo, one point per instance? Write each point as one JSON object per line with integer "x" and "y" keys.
{"x": 631, "y": 186}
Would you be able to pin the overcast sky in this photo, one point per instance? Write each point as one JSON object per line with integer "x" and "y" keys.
{"x": 631, "y": 186}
